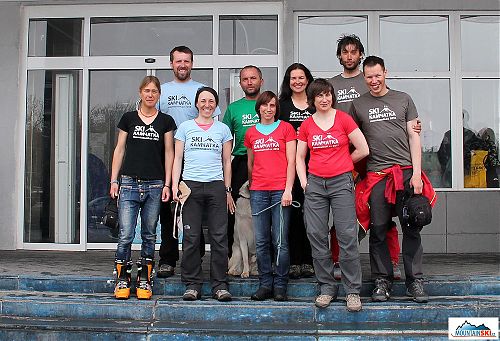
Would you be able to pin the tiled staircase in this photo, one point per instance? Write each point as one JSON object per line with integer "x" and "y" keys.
{"x": 82, "y": 308}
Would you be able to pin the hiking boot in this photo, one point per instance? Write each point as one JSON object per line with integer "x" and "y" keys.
{"x": 337, "y": 274}
{"x": 191, "y": 295}
{"x": 294, "y": 272}
{"x": 222, "y": 295}
{"x": 306, "y": 270}
{"x": 323, "y": 301}
{"x": 396, "y": 271}
{"x": 165, "y": 270}
{"x": 262, "y": 294}
{"x": 381, "y": 291}
{"x": 416, "y": 290}
{"x": 353, "y": 303}
{"x": 280, "y": 294}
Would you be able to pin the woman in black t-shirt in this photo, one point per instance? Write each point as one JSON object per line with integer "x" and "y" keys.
{"x": 294, "y": 109}
{"x": 143, "y": 157}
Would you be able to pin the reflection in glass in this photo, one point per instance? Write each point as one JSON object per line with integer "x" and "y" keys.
{"x": 402, "y": 52}
{"x": 107, "y": 104}
{"x": 229, "y": 85}
{"x": 243, "y": 35}
{"x": 480, "y": 33}
{"x": 318, "y": 39}
{"x": 52, "y": 175}
{"x": 55, "y": 37}
{"x": 481, "y": 119}
{"x": 137, "y": 36}
{"x": 432, "y": 98}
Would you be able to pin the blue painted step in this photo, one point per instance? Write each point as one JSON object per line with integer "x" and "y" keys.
{"x": 435, "y": 286}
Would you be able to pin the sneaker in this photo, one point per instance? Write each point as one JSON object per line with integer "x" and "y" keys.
{"x": 337, "y": 274}
{"x": 280, "y": 294}
{"x": 262, "y": 294}
{"x": 222, "y": 295}
{"x": 353, "y": 303}
{"x": 294, "y": 272}
{"x": 323, "y": 301}
{"x": 396, "y": 271}
{"x": 165, "y": 270}
{"x": 144, "y": 291}
{"x": 416, "y": 290}
{"x": 122, "y": 290}
{"x": 191, "y": 295}
{"x": 381, "y": 291}
{"x": 306, "y": 270}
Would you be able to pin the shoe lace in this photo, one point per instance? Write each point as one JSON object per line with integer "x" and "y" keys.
{"x": 417, "y": 287}
{"x": 381, "y": 284}
{"x": 144, "y": 285}
{"x": 122, "y": 285}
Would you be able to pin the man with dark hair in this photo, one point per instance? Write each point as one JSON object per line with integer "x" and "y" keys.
{"x": 386, "y": 118}
{"x": 349, "y": 85}
{"x": 177, "y": 100}
{"x": 239, "y": 117}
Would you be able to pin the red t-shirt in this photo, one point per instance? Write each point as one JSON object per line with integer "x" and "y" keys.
{"x": 269, "y": 156}
{"x": 329, "y": 149}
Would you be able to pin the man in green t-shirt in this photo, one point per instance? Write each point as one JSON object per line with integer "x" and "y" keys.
{"x": 239, "y": 116}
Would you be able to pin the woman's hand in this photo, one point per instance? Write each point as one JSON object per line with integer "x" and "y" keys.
{"x": 286, "y": 198}
{"x": 175, "y": 193}
{"x": 230, "y": 203}
{"x": 165, "y": 194}
{"x": 113, "y": 191}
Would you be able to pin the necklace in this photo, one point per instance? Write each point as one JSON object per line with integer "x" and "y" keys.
{"x": 140, "y": 112}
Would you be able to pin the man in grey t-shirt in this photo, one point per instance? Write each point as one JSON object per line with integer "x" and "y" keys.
{"x": 386, "y": 117}
{"x": 349, "y": 85}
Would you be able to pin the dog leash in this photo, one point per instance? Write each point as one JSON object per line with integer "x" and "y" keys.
{"x": 294, "y": 204}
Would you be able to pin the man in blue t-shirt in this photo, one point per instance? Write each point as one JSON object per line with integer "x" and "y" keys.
{"x": 177, "y": 100}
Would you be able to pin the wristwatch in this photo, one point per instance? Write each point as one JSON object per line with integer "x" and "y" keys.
{"x": 229, "y": 189}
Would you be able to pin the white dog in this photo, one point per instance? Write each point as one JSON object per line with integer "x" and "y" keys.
{"x": 244, "y": 260}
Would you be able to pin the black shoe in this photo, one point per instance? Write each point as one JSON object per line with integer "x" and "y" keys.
{"x": 280, "y": 294}
{"x": 381, "y": 291}
{"x": 416, "y": 290}
{"x": 294, "y": 272}
{"x": 307, "y": 270}
{"x": 165, "y": 270}
{"x": 262, "y": 294}
{"x": 222, "y": 295}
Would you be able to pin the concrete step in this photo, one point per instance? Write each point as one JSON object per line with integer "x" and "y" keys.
{"x": 305, "y": 288}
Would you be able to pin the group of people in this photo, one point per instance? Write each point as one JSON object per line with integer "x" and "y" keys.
{"x": 298, "y": 151}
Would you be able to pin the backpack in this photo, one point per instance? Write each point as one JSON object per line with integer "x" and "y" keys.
{"x": 417, "y": 210}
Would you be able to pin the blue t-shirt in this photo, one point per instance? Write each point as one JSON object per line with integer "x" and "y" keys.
{"x": 203, "y": 150}
{"x": 177, "y": 100}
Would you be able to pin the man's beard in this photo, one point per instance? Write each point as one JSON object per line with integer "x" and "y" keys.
{"x": 252, "y": 93}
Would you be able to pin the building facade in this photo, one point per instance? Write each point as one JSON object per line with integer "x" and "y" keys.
{"x": 70, "y": 69}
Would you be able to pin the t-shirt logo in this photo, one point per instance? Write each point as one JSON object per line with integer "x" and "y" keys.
{"x": 384, "y": 114}
{"x": 140, "y": 132}
{"x": 178, "y": 101}
{"x": 261, "y": 145}
{"x": 197, "y": 142}
{"x": 324, "y": 141}
{"x": 298, "y": 116}
{"x": 249, "y": 120}
{"x": 344, "y": 95}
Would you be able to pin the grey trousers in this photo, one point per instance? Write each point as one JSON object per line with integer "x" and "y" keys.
{"x": 336, "y": 193}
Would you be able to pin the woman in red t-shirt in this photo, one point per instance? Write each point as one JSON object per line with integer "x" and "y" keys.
{"x": 329, "y": 184}
{"x": 271, "y": 172}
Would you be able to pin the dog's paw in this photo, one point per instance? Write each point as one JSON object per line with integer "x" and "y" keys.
{"x": 245, "y": 274}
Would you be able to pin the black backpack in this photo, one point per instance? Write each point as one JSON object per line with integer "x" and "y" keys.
{"x": 110, "y": 218}
{"x": 417, "y": 210}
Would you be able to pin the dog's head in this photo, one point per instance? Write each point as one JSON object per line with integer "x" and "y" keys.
{"x": 245, "y": 191}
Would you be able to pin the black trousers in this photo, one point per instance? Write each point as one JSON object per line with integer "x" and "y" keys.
{"x": 299, "y": 246}
{"x": 239, "y": 175}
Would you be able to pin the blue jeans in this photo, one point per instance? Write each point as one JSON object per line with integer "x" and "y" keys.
{"x": 135, "y": 194}
{"x": 269, "y": 226}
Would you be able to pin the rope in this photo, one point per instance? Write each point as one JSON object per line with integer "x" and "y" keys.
{"x": 294, "y": 204}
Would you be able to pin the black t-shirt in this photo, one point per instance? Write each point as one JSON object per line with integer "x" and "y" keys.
{"x": 144, "y": 153}
{"x": 289, "y": 113}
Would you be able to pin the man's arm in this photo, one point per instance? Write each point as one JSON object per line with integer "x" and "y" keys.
{"x": 416, "y": 156}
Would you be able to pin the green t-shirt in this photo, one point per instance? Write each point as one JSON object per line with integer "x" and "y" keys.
{"x": 240, "y": 115}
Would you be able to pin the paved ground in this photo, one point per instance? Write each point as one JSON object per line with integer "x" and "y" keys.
{"x": 100, "y": 263}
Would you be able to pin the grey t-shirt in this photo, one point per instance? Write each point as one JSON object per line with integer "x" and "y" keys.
{"x": 383, "y": 122}
{"x": 347, "y": 90}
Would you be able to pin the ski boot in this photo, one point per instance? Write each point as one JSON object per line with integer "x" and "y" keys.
{"x": 123, "y": 271}
{"x": 145, "y": 271}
